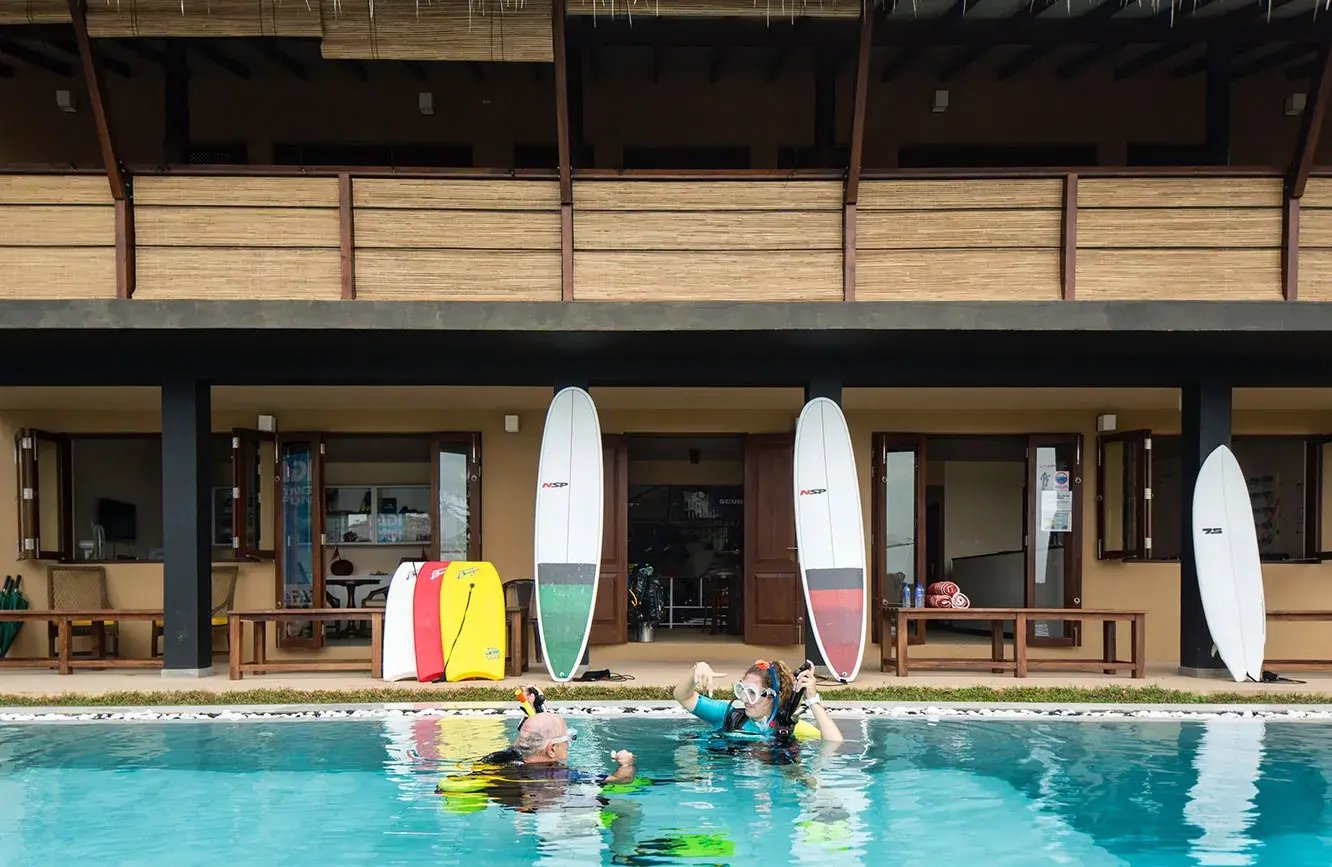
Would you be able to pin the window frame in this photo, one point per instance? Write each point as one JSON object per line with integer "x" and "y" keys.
{"x": 29, "y": 495}
{"x": 1139, "y": 440}
{"x": 1315, "y": 477}
{"x": 246, "y": 466}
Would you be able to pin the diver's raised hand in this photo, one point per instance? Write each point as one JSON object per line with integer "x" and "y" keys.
{"x": 805, "y": 680}
{"x": 623, "y": 757}
{"x": 705, "y": 678}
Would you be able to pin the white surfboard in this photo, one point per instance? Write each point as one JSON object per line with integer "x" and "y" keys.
{"x": 399, "y": 639}
{"x": 830, "y": 536}
{"x": 568, "y": 530}
{"x": 1230, "y": 576}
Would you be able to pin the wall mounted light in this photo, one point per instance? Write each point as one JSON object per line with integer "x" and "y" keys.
{"x": 511, "y": 424}
{"x": 1106, "y": 423}
{"x": 940, "y": 104}
{"x": 425, "y": 102}
{"x": 1295, "y": 104}
{"x": 67, "y": 101}
{"x": 268, "y": 423}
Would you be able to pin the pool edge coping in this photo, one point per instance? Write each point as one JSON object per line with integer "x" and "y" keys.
{"x": 853, "y": 710}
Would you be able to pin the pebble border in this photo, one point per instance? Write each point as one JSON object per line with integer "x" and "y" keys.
{"x": 927, "y": 712}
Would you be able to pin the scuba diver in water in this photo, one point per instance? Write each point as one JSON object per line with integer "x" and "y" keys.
{"x": 769, "y": 701}
{"x": 539, "y": 755}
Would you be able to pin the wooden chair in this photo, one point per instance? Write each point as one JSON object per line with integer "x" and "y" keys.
{"x": 224, "y": 596}
{"x": 81, "y": 588}
{"x": 520, "y": 596}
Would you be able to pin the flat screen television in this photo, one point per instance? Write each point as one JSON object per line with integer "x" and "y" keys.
{"x": 118, "y": 520}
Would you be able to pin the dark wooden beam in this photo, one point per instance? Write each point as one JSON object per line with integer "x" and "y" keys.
{"x": 1034, "y": 54}
{"x": 355, "y": 68}
{"x": 715, "y": 65}
{"x": 271, "y": 51}
{"x": 24, "y": 54}
{"x": 92, "y": 75}
{"x": 851, "y": 192}
{"x": 414, "y": 69}
{"x": 126, "y": 249}
{"x": 560, "y": 56}
{"x": 1311, "y": 124}
{"x": 913, "y": 50}
{"x": 1151, "y": 59}
{"x": 1076, "y": 66}
{"x": 176, "y": 103}
{"x": 347, "y": 228}
{"x": 141, "y": 48}
{"x": 70, "y": 48}
{"x": 825, "y": 110}
{"x": 1217, "y": 109}
{"x": 214, "y": 55}
{"x": 1285, "y": 56}
{"x": 1009, "y": 29}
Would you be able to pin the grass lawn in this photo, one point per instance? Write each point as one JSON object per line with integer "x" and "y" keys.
{"x": 580, "y": 692}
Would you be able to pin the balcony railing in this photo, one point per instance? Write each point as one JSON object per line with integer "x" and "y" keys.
{"x": 761, "y": 236}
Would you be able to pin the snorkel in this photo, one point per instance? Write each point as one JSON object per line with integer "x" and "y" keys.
{"x": 790, "y": 710}
{"x": 532, "y": 702}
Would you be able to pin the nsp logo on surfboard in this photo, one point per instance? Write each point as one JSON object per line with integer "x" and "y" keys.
{"x": 809, "y": 491}
{"x": 554, "y": 484}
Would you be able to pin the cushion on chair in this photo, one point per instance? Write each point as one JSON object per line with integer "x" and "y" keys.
{"x": 219, "y": 621}
{"x": 88, "y": 623}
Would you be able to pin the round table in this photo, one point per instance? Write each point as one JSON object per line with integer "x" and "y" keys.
{"x": 351, "y": 583}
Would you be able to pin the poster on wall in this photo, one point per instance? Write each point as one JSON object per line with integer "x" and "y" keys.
{"x": 1056, "y": 511}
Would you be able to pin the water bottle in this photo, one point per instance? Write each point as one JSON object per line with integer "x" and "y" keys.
{"x": 920, "y": 596}
{"x": 906, "y": 595}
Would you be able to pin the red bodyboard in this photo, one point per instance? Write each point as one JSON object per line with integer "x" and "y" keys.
{"x": 425, "y": 622}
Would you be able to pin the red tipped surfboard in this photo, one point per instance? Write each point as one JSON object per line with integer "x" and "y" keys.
{"x": 425, "y": 622}
{"x": 830, "y": 536}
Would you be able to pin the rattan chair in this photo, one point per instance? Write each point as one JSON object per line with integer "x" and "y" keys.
{"x": 81, "y": 588}
{"x": 224, "y": 595}
{"x": 521, "y": 593}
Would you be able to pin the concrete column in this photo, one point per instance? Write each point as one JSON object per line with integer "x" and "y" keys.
{"x": 1205, "y": 424}
{"x": 187, "y": 572}
{"x": 831, "y": 389}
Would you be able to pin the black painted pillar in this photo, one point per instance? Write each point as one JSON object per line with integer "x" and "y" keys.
{"x": 831, "y": 389}
{"x": 187, "y": 571}
{"x": 1204, "y": 425}
{"x": 825, "y": 110}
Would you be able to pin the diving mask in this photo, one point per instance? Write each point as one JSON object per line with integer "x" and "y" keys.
{"x": 750, "y": 694}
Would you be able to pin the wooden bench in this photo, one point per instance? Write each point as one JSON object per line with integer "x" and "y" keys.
{"x": 65, "y": 662}
{"x": 1299, "y": 663}
{"x": 259, "y": 620}
{"x": 893, "y": 651}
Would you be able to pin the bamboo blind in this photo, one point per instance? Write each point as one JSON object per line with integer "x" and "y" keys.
{"x": 699, "y": 240}
{"x": 449, "y": 30}
{"x": 1179, "y": 238}
{"x": 237, "y": 238}
{"x": 457, "y": 240}
{"x": 57, "y": 237}
{"x": 769, "y": 10}
{"x": 958, "y": 240}
{"x": 124, "y": 18}
{"x": 1315, "y": 267}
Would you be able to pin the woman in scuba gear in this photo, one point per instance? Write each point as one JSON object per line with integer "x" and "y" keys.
{"x": 768, "y": 702}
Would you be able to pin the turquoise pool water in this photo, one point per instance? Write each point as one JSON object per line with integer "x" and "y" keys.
{"x": 899, "y": 792}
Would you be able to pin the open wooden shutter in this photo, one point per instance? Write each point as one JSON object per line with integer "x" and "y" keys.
{"x": 1124, "y": 495}
{"x": 1318, "y": 508}
{"x": 253, "y": 491}
{"x": 610, "y": 617}
{"x": 46, "y": 499}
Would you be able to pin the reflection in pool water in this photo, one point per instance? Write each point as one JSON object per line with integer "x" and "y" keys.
{"x": 897, "y": 792}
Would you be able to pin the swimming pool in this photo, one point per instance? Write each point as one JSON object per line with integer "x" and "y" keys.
{"x": 899, "y": 791}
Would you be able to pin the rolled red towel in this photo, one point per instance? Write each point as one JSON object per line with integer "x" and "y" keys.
{"x": 958, "y": 600}
{"x": 939, "y": 601}
{"x": 942, "y": 588}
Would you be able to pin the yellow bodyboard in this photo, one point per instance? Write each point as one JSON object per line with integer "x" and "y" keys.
{"x": 471, "y": 618}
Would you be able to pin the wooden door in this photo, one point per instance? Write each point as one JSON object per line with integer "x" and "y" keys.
{"x": 610, "y": 618}
{"x": 1054, "y": 534}
{"x": 774, "y": 606}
